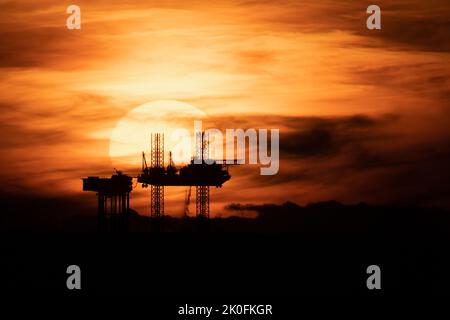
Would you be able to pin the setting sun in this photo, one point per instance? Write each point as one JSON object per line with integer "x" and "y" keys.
{"x": 131, "y": 136}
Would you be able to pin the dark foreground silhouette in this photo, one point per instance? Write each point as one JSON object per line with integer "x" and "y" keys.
{"x": 288, "y": 249}
{"x": 288, "y": 217}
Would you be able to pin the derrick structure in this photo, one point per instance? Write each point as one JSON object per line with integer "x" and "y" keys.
{"x": 199, "y": 173}
{"x": 157, "y": 166}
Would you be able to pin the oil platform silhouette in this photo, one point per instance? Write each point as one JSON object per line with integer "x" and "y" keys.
{"x": 114, "y": 191}
{"x": 201, "y": 173}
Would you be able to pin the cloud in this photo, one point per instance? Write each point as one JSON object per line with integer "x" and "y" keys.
{"x": 33, "y": 34}
{"x": 362, "y": 113}
{"x": 337, "y": 217}
{"x": 377, "y": 159}
{"x": 406, "y": 24}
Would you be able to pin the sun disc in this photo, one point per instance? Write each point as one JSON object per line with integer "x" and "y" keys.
{"x": 131, "y": 136}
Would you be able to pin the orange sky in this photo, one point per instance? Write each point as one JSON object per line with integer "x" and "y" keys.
{"x": 271, "y": 64}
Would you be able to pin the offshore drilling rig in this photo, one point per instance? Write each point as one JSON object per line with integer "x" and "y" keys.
{"x": 197, "y": 173}
{"x": 202, "y": 173}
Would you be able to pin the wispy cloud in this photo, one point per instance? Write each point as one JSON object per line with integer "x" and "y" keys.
{"x": 362, "y": 113}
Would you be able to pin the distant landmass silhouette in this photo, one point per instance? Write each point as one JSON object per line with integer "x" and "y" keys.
{"x": 328, "y": 216}
{"x": 331, "y": 216}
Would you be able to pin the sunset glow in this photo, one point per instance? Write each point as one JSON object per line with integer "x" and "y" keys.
{"x": 351, "y": 104}
{"x": 131, "y": 136}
